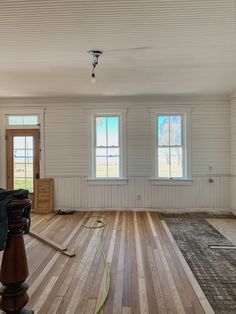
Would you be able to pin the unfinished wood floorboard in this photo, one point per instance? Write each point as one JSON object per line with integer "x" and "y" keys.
{"x": 146, "y": 274}
{"x": 227, "y": 227}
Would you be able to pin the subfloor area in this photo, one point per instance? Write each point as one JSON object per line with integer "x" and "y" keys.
{"x": 147, "y": 273}
{"x": 208, "y": 246}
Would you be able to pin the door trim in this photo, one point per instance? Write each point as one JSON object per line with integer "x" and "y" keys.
{"x": 34, "y": 110}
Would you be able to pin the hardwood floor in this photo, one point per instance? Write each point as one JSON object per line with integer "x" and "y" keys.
{"x": 147, "y": 275}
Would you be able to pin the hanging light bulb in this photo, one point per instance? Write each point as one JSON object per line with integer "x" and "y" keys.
{"x": 95, "y": 54}
{"x": 93, "y": 78}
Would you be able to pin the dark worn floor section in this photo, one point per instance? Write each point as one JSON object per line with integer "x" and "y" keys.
{"x": 214, "y": 269}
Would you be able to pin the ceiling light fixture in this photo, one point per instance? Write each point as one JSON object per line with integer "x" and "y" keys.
{"x": 95, "y": 54}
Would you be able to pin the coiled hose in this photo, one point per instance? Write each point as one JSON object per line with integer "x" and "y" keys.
{"x": 102, "y": 223}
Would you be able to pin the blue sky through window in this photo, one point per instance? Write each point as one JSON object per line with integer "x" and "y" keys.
{"x": 107, "y": 131}
{"x": 169, "y": 130}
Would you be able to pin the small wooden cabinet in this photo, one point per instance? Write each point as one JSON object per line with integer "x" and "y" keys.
{"x": 44, "y": 196}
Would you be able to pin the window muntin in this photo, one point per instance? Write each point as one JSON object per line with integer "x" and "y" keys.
{"x": 107, "y": 146}
{"x": 22, "y": 120}
{"x": 170, "y": 146}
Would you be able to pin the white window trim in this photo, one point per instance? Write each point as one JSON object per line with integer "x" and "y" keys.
{"x": 122, "y": 113}
{"x": 156, "y": 181}
{"x": 40, "y": 112}
{"x": 168, "y": 110}
{"x": 107, "y": 181}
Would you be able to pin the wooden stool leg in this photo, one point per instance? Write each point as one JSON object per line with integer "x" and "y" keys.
{"x": 14, "y": 268}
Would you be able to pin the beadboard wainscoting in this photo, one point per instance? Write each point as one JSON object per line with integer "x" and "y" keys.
{"x": 233, "y": 152}
{"x": 74, "y": 192}
{"x": 233, "y": 194}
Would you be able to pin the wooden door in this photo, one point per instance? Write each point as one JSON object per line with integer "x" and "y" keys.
{"x": 22, "y": 159}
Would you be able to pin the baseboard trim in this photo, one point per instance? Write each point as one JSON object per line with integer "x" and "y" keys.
{"x": 158, "y": 210}
{"x": 233, "y": 211}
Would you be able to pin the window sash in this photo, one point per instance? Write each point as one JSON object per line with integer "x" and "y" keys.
{"x": 170, "y": 176}
{"x": 95, "y": 128}
{"x": 169, "y": 147}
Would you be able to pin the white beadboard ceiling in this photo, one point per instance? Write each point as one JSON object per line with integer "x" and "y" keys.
{"x": 150, "y": 47}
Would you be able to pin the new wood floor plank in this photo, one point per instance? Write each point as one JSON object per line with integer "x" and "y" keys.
{"x": 134, "y": 292}
{"x": 159, "y": 252}
{"x": 174, "y": 265}
{"x": 126, "y": 298}
{"x": 143, "y": 302}
{"x": 145, "y": 242}
{"x": 113, "y": 260}
{"x": 161, "y": 305}
{"x": 117, "y": 303}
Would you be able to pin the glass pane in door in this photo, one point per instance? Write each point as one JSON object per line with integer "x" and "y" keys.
{"x": 23, "y": 166}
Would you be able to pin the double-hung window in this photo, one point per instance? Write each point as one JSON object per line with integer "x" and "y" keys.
{"x": 108, "y": 161}
{"x": 107, "y": 146}
{"x": 171, "y": 147}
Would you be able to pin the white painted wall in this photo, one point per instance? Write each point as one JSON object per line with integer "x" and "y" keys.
{"x": 66, "y": 156}
{"x": 233, "y": 153}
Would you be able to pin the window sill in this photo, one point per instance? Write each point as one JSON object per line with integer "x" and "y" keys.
{"x": 106, "y": 181}
{"x": 155, "y": 181}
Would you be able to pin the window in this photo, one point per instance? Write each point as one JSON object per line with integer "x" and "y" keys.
{"x": 171, "y": 146}
{"x": 108, "y": 146}
{"x": 22, "y": 120}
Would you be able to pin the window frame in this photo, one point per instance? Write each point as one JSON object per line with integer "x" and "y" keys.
{"x": 186, "y": 143}
{"x": 106, "y": 147}
{"x": 93, "y": 114}
{"x": 183, "y": 145}
{"x": 22, "y": 126}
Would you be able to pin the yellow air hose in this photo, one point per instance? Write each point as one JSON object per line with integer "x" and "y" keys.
{"x": 102, "y": 223}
